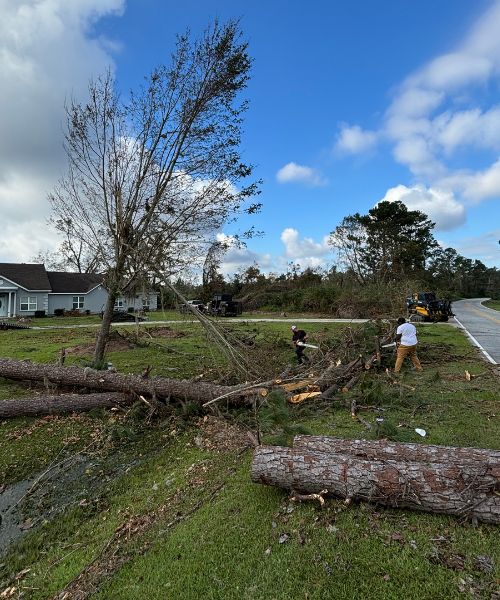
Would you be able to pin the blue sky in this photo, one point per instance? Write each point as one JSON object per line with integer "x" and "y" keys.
{"x": 350, "y": 103}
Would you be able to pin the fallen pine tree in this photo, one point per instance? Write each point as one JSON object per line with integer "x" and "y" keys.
{"x": 466, "y": 488}
{"x": 160, "y": 387}
{"x": 36, "y": 406}
{"x": 332, "y": 375}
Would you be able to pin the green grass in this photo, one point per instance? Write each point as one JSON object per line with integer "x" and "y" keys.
{"x": 200, "y": 529}
{"x": 494, "y": 304}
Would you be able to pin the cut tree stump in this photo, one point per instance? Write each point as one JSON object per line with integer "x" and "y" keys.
{"x": 470, "y": 490}
{"x": 57, "y": 405}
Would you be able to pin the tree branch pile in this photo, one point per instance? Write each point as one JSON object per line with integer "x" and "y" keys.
{"x": 458, "y": 481}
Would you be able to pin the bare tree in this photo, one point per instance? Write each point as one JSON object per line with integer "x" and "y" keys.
{"x": 150, "y": 180}
{"x": 73, "y": 254}
{"x": 348, "y": 239}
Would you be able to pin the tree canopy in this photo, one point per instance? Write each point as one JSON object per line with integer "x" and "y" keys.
{"x": 389, "y": 243}
{"x": 152, "y": 178}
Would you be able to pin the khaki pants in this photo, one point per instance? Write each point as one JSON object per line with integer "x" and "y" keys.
{"x": 403, "y": 352}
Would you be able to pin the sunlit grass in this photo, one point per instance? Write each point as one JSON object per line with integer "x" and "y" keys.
{"x": 212, "y": 533}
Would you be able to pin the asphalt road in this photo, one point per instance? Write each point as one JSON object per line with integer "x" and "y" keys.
{"x": 482, "y": 324}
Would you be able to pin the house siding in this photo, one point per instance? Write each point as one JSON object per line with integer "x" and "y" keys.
{"x": 42, "y": 302}
{"x": 16, "y": 278}
{"x": 138, "y": 302}
{"x": 94, "y": 301}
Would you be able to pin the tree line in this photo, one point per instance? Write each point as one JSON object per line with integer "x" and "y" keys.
{"x": 380, "y": 258}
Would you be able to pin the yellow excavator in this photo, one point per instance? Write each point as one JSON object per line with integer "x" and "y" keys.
{"x": 425, "y": 306}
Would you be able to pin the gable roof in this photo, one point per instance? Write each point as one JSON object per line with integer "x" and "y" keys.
{"x": 29, "y": 276}
{"x": 73, "y": 283}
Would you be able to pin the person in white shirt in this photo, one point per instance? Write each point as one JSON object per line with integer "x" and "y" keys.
{"x": 406, "y": 344}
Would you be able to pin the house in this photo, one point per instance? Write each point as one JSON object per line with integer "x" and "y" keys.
{"x": 29, "y": 290}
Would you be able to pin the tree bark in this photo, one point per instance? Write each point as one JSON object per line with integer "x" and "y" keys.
{"x": 384, "y": 450}
{"x": 467, "y": 490}
{"x": 103, "y": 335}
{"x": 88, "y": 378}
{"x": 57, "y": 405}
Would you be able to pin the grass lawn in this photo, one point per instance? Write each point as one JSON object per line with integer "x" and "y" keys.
{"x": 494, "y": 304}
{"x": 166, "y": 509}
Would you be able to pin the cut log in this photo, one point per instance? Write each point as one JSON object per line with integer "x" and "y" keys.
{"x": 384, "y": 450}
{"x": 463, "y": 490}
{"x": 116, "y": 382}
{"x": 57, "y": 405}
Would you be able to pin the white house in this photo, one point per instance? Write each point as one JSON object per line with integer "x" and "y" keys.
{"x": 26, "y": 289}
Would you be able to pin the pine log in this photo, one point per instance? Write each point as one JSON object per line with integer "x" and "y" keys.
{"x": 461, "y": 490}
{"x": 385, "y": 450}
{"x": 116, "y": 382}
{"x": 57, "y": 405}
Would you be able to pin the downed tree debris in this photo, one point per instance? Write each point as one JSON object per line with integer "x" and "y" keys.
{"x": 468, "y": 487}
{"x": 338, "y": 369}
{"x": 65, "y": 403}
{"x": 159, "y": 387}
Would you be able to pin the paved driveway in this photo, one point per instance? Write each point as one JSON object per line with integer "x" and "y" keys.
{"x": 482, "y": 323}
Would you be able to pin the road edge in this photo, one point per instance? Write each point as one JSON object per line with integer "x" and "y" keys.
{"x": 476, "y": 343}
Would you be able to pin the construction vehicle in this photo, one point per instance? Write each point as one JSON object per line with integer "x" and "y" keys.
{"x": 223, "y": 305}
{"x": 425, "y": 306}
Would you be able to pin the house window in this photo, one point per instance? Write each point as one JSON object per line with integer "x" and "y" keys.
{"x": 78, "y": 302}
{"x": 28, "y": 303}
{"x": 119, "y": 303}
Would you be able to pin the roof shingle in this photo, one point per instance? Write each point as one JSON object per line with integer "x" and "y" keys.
{"x": 73, "y": 283}
{"x": 29, "y": 276}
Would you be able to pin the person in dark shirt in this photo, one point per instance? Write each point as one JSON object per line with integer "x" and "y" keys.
{"x": 299, "y": 335}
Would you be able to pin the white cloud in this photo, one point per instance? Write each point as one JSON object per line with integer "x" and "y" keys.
{"x": 440, "y": 205}
{"x": 440, "y": 111}
{"x": 475, "y": 186}
{"x": 354, "y": 140}
{"x": 297, "y": 248}
{"x": 47, "y": 55}
{"x": 454, "y": 70}
{"x": 484, "y": 248}
{"x": 292, "y": 172}
{"x": 238, "y": 257}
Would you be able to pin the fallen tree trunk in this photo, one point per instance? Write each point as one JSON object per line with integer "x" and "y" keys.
{"x": 463, "y": 490}
{"x": 385, "y": 450}
{"x": 57, "y": 405}
{"x": 116, "y": 382}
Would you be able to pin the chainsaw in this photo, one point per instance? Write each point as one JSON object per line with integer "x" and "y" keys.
{"x": 304, "y": 345}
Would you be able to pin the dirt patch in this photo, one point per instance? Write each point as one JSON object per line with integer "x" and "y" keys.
{"x": 116, "y": 345}
{"x": 165, "y": 332}
{"x": 219, "y": 435}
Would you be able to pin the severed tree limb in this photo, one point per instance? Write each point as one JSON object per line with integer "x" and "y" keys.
{"x": 65, "y": 403}
{"x": 296, "y": 497}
